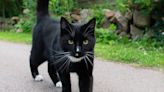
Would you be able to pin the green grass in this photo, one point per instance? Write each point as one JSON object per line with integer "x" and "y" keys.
{"x": 130, "y": 52}
{"x": 16, "y": 37}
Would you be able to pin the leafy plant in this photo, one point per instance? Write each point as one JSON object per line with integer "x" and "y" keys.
{"x": 61, "y": 6}
{"x": 10, "y": 8}
{"x": 29, "y": 4}
{"x": 143, "y": 4}
{"x": 26, "y": 22}
{"x": 122, "y": 5}
{"x": 97, "y": 13}
{"x": 105, "y": 36}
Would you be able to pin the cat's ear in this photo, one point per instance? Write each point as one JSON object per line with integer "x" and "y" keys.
{"x": 65, "y": 26}
{"x": 90, "y": 26}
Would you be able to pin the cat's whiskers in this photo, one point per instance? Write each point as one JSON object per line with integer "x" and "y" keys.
{"x": 68, "y": 64}
{"x": 86, "y": 63}
{"x": 88, "y": 59}
{"x": 58, "y": 52}
{"x": 89, "y": 52}
{"x": 63, "y": 65}
{"x": 60, "y": 58}
{"x": 90, "y": 55}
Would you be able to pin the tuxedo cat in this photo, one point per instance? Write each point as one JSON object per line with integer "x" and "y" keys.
{"x": 67, "y": 48}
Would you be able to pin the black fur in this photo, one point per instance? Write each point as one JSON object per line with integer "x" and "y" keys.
{"x": 55, "y": 41}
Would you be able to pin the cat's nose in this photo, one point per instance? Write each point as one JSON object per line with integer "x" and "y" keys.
{"x": 78, "y": 51}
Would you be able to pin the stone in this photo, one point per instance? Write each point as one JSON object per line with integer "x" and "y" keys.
{"x": 19, "y": 30}
{"x": 162, "y": 33}
{"x": 76, "y": 11}
{"x": 26, "y": 11}
{"x": 84, "y": 13}
{"x": 15, "y": 20}
{"x": 162, "y": 18}
{"x": 156, "y": 0}
{"x": 122, "y": 21}
{"x": 67, "y": 14}
{"x": 105, "y": 23}
{"x": 129, "y": 15}
{"x": 122, "y": 34}
{"x": 135, "y": 32}
{"x": 150, "y": 34}
{"x": 75, "y": 17}
{"x": 108, "y": 13}
{"x": 140, "y": 19}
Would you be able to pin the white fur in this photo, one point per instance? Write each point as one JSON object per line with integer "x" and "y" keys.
{"x": 58, "y": 84}
{"x": 39, "y": 78}
{"x": 74, "y": 59}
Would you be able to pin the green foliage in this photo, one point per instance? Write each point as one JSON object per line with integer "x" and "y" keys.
{"x": 121, "y": 5}
{"x": 126, "y": 5}
{"x": 26, "y": 22}
{"x": 29, "y": 4}
{"x": 10, "y": 8}
{"x": 97, "y": 13}
{"x": 112, "y": 27}
{"x": 61, "y": 6}
{"x": 144, "y": 4}
{"x": 105, "y": 36}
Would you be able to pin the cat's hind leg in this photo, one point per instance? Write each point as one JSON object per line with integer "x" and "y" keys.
{"x": 35, "y": 61}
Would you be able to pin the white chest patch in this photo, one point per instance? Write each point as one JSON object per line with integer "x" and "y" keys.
{"x": 74, "y": 59}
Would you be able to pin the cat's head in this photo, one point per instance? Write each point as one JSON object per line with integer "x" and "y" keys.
{"x": 78, "y": 39}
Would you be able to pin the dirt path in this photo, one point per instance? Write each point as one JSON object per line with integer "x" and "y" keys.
{"x": 108, "y": 77}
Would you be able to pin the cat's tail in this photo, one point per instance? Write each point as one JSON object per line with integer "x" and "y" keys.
{"x": 42, "y": 9}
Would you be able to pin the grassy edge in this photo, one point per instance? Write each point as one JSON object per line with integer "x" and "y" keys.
{"x": 16, "y": 37}
{"x": 117, "y": 53}
{"x": 130, "y": 55}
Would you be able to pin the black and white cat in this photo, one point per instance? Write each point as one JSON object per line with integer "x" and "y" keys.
{"x": 67, "y": 48}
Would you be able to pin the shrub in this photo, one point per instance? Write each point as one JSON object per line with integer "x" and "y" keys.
{"x": 10, "y": 8}
{"x": 26, "y": 22}
{"x": 105, "y": 36}
{"x": 61, "y": 6}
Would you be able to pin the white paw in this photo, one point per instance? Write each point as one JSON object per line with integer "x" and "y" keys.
{"x": 58, "y": 84}
{"x": 39, "y": 78}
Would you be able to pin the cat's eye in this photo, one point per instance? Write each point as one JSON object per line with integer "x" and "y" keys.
{"x": 70, "y": 42}
{"x": 85, "y": 42}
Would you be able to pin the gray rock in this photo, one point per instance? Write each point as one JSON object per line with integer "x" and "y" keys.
{"x": 75, "y": 17}
{"x": 19, "y": 30}
{"x": 84, "y": 13}
{"x": 129, "y": 15}
{"x": 108, "y": 13}
{"x": 123, "y": 34}
{"x": 26, "y": 11}
{"x": 150, "y": 34}
{"x": 15, "y": 20}
{"x": 135, "y": 32}
{"x": 140, "y": 19}
{"x": 105, "y": 23}
{"x": 121, "y": 20}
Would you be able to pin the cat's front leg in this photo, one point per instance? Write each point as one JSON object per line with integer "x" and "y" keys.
{"x": 66, "y": 83}
{"x": 86, "y": 83}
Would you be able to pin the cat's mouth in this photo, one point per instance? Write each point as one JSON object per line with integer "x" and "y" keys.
{"x": 75, "y": 59}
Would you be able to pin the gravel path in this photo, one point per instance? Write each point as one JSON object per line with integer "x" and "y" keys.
{"x": 108, "y": 76}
